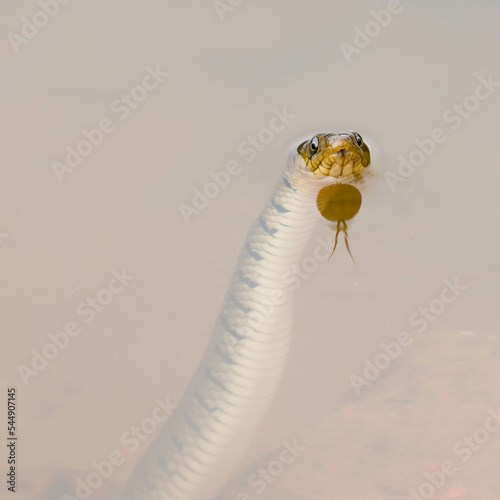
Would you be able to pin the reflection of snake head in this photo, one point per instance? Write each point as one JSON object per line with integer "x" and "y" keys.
{"x": 340, "y": 155}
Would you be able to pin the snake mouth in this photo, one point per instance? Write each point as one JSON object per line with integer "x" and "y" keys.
{"x": 340, "y": 155}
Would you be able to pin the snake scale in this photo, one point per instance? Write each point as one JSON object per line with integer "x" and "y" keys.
{"x": 199, "y": 448}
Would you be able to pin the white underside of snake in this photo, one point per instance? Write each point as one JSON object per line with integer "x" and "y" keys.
{"x": 201, "y": 445}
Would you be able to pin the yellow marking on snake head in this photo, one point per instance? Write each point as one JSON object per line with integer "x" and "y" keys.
{"x": 340, "y": 155}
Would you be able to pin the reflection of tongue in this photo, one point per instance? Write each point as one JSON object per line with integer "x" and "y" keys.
{"x": 340, "y": 203}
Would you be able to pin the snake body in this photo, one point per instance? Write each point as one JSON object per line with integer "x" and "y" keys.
{"x": 199, "y": 448}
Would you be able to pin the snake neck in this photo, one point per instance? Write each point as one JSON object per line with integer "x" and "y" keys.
{"x": 198, "y": 450}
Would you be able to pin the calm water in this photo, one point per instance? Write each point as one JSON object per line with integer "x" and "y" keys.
{"x": 421, "y": 87}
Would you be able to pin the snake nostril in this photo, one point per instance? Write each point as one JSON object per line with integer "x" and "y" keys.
{"x": 342, "y": 152}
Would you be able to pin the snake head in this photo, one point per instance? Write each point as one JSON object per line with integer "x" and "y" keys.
{"x": 340, "y": 155}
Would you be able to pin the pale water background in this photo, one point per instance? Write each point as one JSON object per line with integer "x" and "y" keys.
{"x": 120, "y": 209}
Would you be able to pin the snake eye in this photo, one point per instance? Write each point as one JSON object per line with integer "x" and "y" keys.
{"x": 359, "y": 139}
{"x": 314, "y": 145}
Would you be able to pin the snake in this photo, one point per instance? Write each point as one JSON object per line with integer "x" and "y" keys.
{"x": 200, "y": 446}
